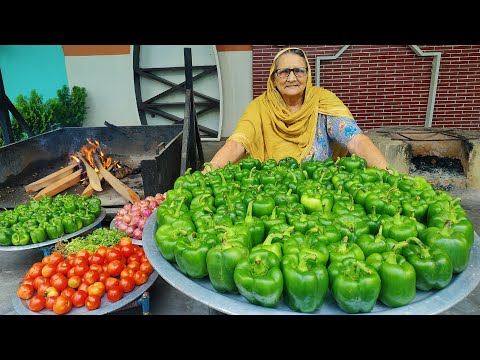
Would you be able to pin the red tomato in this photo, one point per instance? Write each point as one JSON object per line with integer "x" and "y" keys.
{"x": 133, "y": 258}
{"x": 48, "y": 270}
{"x": 45, "y": 260}
{"x": 25, "y": 292}
{"x": 62, "y": 305}
{"x": 111, "y": 281}
{"x": 115, "y": 267}
{"x": 127, "y": 283}
{"x": 102, "y": 250}
{"x": 37, "y": 303}
{"x": 59, "y": 281}
{"x": 70, "y": 259}
{"x": 127, "y": 250}
{"x": 116, "y": 247}
{"x": 134, "y": 265}
{"x": 146, "y": 267}
{"x": 71, "y": 272}
{"x": 42, "y": 288}
{"x": 127, "y": 272}
{"x": 136, "y": 247}
{"x": 28, "y": 281}
{"x": 80, "y": 260}
{"x": 84, "y": 253}
{"x": 63, "y": 267}
{"x": 98, "y": 268}
{"x": 96, "y": 289}
{"x": 35, "y": 270}
{"x": 78, "y": 299}
{"x": 49, "y": 301}
{"x": 143, "y": 259}
{"x": 140, "y": 252}
{"x": 81, "y": 269}
{"x": 55, "y": 258}
{"x": 74, "y": 282}
{"x": 103, "y": 276}
{"x": 40, "y": 280}
{"x": 124, "y": 241}
{"x": 96, "y": 259}
{"x": 140, "y": 277}
{"x": 92, "y": 302}
{"x": 115, "y": 293}
{"x": 68, "y": 292}
{"x": 91, "y": 276}
{"x": 84, "y": 287}
{"x": 112, "y": 254}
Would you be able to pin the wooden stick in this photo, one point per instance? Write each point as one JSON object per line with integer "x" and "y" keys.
{"x": 60, "y": 185}
{"x": 50, "y": 179}
{"x": 91, "y": 173}
{"x": 89, "y": 189}
{"x": 119, "y": 186}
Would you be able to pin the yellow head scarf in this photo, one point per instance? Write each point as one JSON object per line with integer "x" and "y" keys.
{"x": 267, "y": 129}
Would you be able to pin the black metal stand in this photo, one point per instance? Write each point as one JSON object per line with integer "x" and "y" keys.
{"x": 183, "y": 152}
{"x": 5, "y": 106}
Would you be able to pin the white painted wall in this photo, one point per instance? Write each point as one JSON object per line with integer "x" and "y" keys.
{"x": 237, "y": 86}
{"x": 110, "y": 90}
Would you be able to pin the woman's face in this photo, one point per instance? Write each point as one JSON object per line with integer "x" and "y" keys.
{"x": 292, "y": 86}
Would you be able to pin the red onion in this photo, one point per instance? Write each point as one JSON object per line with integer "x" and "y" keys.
{"x": 127, "y": 218}
{"x": 142, "y": 203}
{"x": 136, "y": 213}
{"x": 134, "y": 221}
{"x": 153, "y": 205}
{"x": 150, "y": 198}
{"x": 135, "y": 207}
{"x": 137, "y": 234}
{"x": 122, "y": 227}
{"x": 141, "y": 222}
{"x": 146, "y": 212}
{"x": 129, "y": 230}
{"x": 122, "y": 211}
{"x": 127, "y": 206}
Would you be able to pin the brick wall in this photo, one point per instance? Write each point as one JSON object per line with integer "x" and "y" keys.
{"x": 388, "y": 85}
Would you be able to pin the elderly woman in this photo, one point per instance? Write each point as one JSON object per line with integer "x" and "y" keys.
{"x": 294, "y": 118}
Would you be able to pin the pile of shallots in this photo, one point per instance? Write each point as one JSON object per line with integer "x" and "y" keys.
{"x": 132, "y": 217}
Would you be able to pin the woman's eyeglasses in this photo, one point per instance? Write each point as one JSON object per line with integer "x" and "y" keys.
{"x": 284, "y": 73}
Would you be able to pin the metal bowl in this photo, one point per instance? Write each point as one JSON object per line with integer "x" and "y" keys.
{"x": 53, "y": 241}
{"x": 424, "y": 303}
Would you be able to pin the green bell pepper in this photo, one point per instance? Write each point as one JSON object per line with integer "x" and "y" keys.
{"x": 432, "y": 265}
{"x": 397, "y": 275}
{"x": 375, "y": 243}
{"x": 259, "y": 278}
{"x": 20, "y": 237}
{"x": 305, "y": 281}
{"x": 6, "y": 236}
{"x": 221, "y": 262}
{"x": 255, "y": 226}
{"x": 191, "y": 253}
{"x": 166, "y": 237}
{"x": 275, "y": 248}
{"x": 344, "y": 249}
{"x": 355, "y": 285}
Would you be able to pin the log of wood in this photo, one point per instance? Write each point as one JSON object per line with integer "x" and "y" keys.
{"x": 50, "y": 179}
{"x": 60, "y": 185}
{"x": 127, "y": 193}
{"x": 91, "y": 173}
{"x": 89, "y": 189}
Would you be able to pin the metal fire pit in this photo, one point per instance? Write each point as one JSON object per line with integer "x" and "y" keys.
{"x": 154, "y": 150}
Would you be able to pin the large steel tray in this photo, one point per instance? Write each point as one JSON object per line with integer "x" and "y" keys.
{"x": 424, "y": 303}
{"x": 53, "y": 241}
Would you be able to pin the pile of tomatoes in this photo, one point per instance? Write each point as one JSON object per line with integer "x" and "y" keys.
{"x": 82, "y": 279}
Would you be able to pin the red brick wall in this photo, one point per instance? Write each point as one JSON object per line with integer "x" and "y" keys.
{"x": 388, "y": 85}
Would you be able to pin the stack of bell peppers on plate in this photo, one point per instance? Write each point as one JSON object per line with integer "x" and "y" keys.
{"x": 300, "y": 232}
{"x": 47, "y": 219}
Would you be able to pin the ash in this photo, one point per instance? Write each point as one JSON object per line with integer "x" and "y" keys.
{"x": 439, "y": 169}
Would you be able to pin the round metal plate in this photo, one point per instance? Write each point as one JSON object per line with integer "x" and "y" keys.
{"x": 53, "y": 241}
{"x": 424, "y": 303}
{"x": 106, "y": 306}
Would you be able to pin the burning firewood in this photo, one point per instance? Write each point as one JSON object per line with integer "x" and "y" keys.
{"x": 119, "y": 186}
{"x": 91, "y": 173}
{"x": 89, "y": 189}
{"x": 60, "y": 185}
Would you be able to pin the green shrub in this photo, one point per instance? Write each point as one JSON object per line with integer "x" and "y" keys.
{"x": 67, "y": 109}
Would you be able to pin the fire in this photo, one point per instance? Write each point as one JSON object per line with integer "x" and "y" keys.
{"x": 94, "y": 147}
